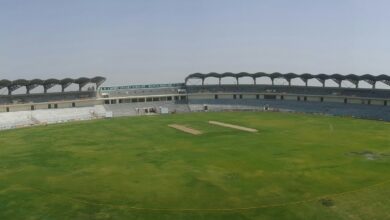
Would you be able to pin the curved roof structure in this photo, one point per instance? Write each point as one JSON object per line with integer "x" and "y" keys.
{"x": 337, "y": 78}
{"x": 49, "y": 83}
{"x": 5, "y": 83}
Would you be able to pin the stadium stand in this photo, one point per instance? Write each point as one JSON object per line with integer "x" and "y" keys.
{"x": 46, "y": 97}
{"x": 339, "y": 109}
{"x": 11, "y": 120}
{"x": 18, "y": 110}
{"x": 305, "y": 77}
{"x": 18, "y": 119}
{"x": 374, "y": 93}
{"x": 11, "y": 86}
{"x": 370, "y": 103}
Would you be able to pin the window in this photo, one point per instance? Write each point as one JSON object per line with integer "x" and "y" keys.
{"x": 141, "y": 100}
{"x": 345, "y": 101}
{"x": 215, "y": 96}
{"x": 156, "y": 99}
{"x": 55, "y": 105}
{"x": 322, "y": 99}
{"x": 134, "y": 100}
{"x": 269, "y": 96}
{"x": 113, "y": 101}
{"x": 385, "y": 103}
{"x": 369, "y": 102}
{"x": 74, "y": 104}
{"x": 32, "y": 108}
{"x": 7, "y": 109}
{"x": 183, "y": 97}
{"x": 163, "y": 98}
{"x": 298, "y": 98}
{"x": 282, "y": 97}
{"x": 120, "y": 101}
{"x": 305, "y": 98}
{"x": 49, "y": 106}
{"x": 149, "y": 99}
{"x": 234, "y": 96}
{"x": 176, "y": 98}
{"x": 257, "y": 96}
{"x": 169, "y": 98}
{"x": 240, "y": 96}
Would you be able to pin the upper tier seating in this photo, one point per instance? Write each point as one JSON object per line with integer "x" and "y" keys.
{"x": 46, "y": 97}
{"x": 374, "y": 93}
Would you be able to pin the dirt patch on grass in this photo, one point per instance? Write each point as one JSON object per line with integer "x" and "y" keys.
{"x": 326, "y": 202}
{"x": 185, "y": 129}
{"x": 232, "y": 126}
{"x": 369, "y": 155}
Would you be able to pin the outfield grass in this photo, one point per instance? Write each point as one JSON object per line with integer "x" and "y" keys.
{"x": 295, "y": 167}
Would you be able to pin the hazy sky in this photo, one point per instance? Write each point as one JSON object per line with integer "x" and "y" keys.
{"x": 152, "y": 41}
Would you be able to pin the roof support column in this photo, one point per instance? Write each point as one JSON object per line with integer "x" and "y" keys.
{"x": 12, "y": 88}
{"x": 322, "y": 82}
{"x": 98, "y": 85}
{"x": 47, "y": 87}
{"x": 219, "y": 81}
{"x": 338, "y": 82}
{"x": 237, "y": 80}
{"x": 371, "y": 82}
{"x": 254, "y": 80}
{"x": 30, "y": 87}
{"x": 355, "y": 82}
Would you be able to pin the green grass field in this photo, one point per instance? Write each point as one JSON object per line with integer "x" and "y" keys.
{"x": 296, "y": 167}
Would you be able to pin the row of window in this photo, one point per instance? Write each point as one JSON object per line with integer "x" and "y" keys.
{"x": 299, "y": 98}
{"x": 49, "y": 106}
{"x": 257, "y": 97}
{"x": 148, "y": 99}
{"x": 367, "y": 102}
